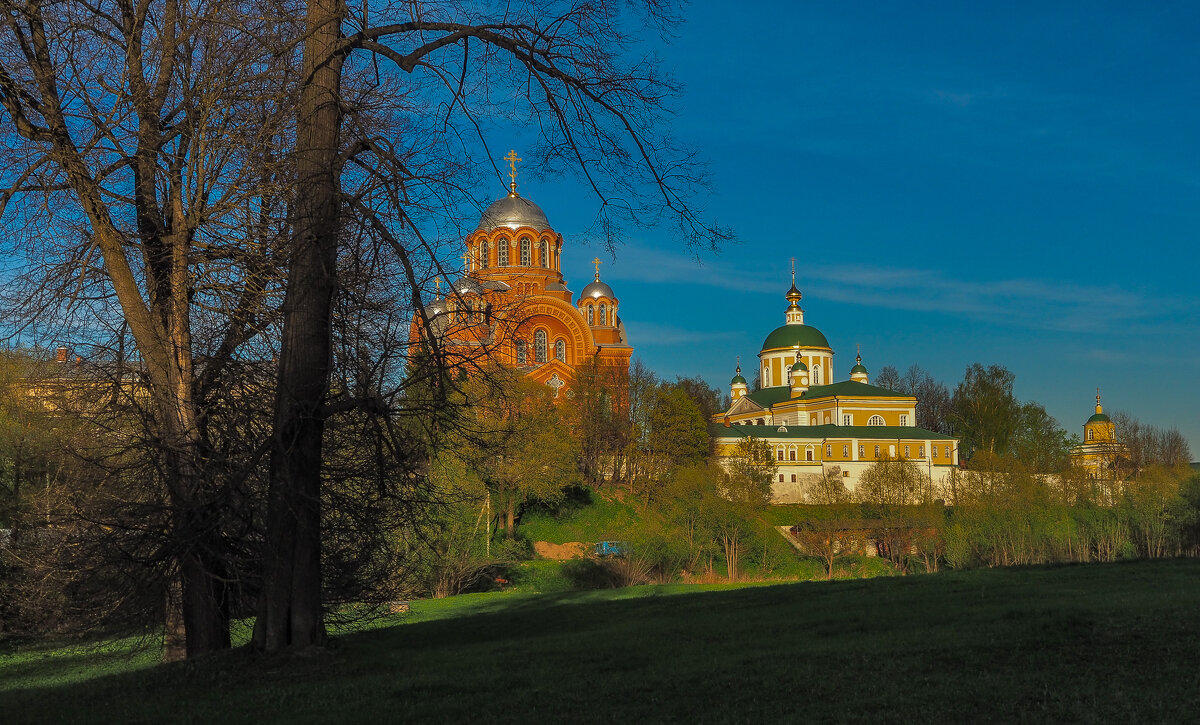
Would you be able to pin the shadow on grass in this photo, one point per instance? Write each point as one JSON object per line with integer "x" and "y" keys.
{"x": 1045, "y": 643}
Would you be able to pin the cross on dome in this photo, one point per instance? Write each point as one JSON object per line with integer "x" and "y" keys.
{"x": 512, "y": 160}
{"x": 597, "y": 262}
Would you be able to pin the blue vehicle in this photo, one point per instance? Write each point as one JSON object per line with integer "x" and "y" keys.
{"x": 611, "y": 548}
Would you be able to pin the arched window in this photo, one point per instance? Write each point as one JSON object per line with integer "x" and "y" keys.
{"x": 779, "y": 455}
{"x": 875, "y": 420}
{"x": 816, "y": 375}
{"x": 877, "y": 451}
{"x": 591, "y": 315}
{"x": 522, "y": 354}
{"x": 502, "y": 253}
{"x": 793, "y": 478}
{"x": 792, "y": 454}
{"x": 603, "y": 314}
{"x": 781, "y": 478}
{"x": 525, "y": 251}
{"x": 560, "y": 350}
{"x": 903, "y": 419}
{"x": 539, "y": 346}
{"x": 544, "y": 254}
{"x": 1091, "y": 434}
{"x": 483, "y": 255}
{"x": 808, "y": 454}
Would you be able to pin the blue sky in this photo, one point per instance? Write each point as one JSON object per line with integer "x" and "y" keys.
{"x": 1014, "y": 184}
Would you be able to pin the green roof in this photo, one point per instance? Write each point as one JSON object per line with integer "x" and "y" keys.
{"x": 799, "y": 365}
{"x": 737, "y": 379}
{"x": 902, "y": 432}
{"x": 793, "y": 335}
{"x": 770, "y": 396}
{"x": 1099, "y": 418}
{"x": 851, "y": 389}
{"x": 857, "y": 369}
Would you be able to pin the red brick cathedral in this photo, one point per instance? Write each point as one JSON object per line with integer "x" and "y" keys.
{"x": 512, "y": 305}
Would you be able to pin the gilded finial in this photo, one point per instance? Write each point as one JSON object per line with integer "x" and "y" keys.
{"x": 739, "y": 365}
{"x": 512, "y": 160}
{"x": 793, "y": 271}
{"x": 437, "y": 281}
{"x": 597, "y": 262}
{"x": 1098, "y": 408}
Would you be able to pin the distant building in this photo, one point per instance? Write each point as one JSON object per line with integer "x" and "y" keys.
{"x": 815, "y": 425}
{"x": 512, "y": 305}
{"x": 1100, "y": 450}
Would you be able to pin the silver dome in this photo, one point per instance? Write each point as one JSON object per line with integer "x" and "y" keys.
{"x": 513, "y": 212}
{"x": 597, "y": 289}
{"x": 468, "y": 286}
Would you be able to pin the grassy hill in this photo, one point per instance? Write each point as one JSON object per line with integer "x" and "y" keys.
{"x": 1091, "y": 643}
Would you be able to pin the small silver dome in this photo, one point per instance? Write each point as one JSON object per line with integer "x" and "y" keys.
{"x": 435, "y": 308}
{"x": 597, "y": 289}
{"x": 468, "y": 286}
{"x": 513, "y": 212}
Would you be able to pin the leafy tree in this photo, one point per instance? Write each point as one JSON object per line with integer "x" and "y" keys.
{"x": 985, "y": 411}
{"x": 677, "y": 435}
{"x": 826, "y": 538}
{"x": 706, "y": 397}
{"x": 1039, "y": 442}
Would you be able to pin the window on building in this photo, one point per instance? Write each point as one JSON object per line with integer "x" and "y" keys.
{"x": 877, "y": 451}
{"x": 539, "y": 346}
{"x": 920, "y": 451}
{"x": 947, "y": 451}
{"x": 591, "y": 315}
{"x": 875, "y": 420}
{"x": 1091, "y": 434}
{"x": 603, "y": 314}
{"x": 780, "y": 478}
{"x": 544, "y": 254}
{"x": 522, "y": 354}
{"x": 560, "y": 350}
{"x": 861, "y": 452}
{"x": 808, "y": 454}
{"x": 792, "y": 455}
{"x": 903, "y": 419}
{"x": 906, "y": 451}
{"x": 816, "y": 375}
{"x": 502, "y": 253}
{"x": 483, "y": 255}
{"x": 793, "y": 478}
{"x": 828, "y": 451}
{"x": 845, "y": 451}
{"x": 934, "y": 449}
{"x": 525, "y": 251}
{"x": 778, "y": 455}
{"x": 847, "y": 419}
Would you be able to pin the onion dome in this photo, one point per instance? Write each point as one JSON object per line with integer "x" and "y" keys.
{"x": 1099, "y": 417}
{"x": 513, "y": 211}
{"x": 793, "y": 335}
{"x": 799, "y": 366}
{"x": 858, "y": 369}
{"x": 737, "y": 377}
{"x": 597, "y": 289}
{"x": 467, "y": 286}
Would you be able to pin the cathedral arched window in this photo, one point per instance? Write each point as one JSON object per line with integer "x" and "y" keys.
{"x": 816, "y": 374}
{"x": 875, "y": 420}
{"x": 525, "y": 251}
{"x": 502, "y": 253}
{"x": 544, "y": 254}
{"x": 539, "y": 346}
{"x": 522, "y": 354}
{"x": 483, "y": 255}
{"x": 591, "y": 315}
{"x": 603, "y": 314}
{"x": 560, "y": 350}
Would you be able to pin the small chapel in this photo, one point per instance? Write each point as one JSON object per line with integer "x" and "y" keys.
{"x": 1100, "y": 452}
{"x": 816, "y": 426}
{"x": 512, "y": 306}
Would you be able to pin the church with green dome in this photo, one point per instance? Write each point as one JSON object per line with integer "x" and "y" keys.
{"x": 816, "y": 425}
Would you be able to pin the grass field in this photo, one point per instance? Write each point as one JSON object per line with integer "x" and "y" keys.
{"x": 1094, "y": 643}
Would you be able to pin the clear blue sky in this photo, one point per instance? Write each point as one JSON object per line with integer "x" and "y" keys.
{"x": 1015, "y": 183}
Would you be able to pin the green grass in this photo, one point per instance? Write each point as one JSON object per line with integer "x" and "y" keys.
{"x": 1094, "y": 643}
{"x": 601, "y": 519}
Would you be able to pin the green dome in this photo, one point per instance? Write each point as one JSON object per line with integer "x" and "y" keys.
{"x": 858, "y": 369}
{"x": 793, "y": 335}
{"x": 799, "y": 365}
{"x": 1099, "y": 418}
{"x": 737, "y": 380}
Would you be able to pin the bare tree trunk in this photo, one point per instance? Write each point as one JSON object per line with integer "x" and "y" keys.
{"x": 290, "y": 613}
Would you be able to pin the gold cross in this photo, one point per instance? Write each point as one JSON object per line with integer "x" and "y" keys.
{"x": 597, "y": 262}
{"x": 793, "y": 271}
{"x": 512, "y": 160}
{"x": 466, "y": 258}
{"x": 437, "y": 281}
